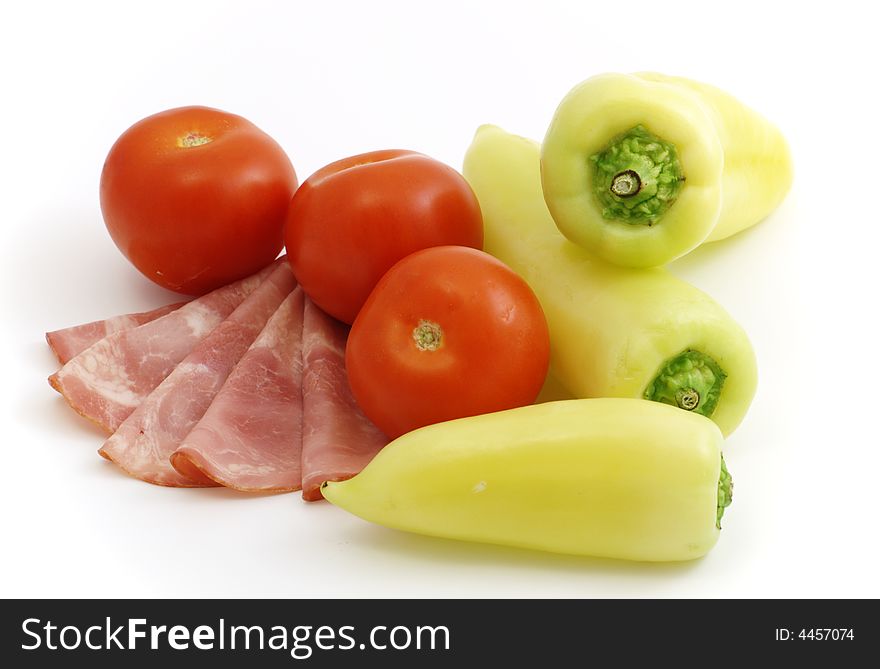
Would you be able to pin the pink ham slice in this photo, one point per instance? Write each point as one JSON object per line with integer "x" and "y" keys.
{"x": 337, "y": 439}
{"x": 250, "y": 438}
{"x": 72, "y": 341}
{"x": 144, "y": 443}
{"x": 108, "y": 380}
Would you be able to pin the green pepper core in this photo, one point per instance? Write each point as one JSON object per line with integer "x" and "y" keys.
{"x": 637, "y": 177}
{"x": 725, "y": 492}
{"x": 690, "y": 380}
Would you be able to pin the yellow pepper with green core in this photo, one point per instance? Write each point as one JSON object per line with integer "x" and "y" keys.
{"x": 640, "y": 169}
{"x": 614, "y": 332}
{"x": 613, "y": 478}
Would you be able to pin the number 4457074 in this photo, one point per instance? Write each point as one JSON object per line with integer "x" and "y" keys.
{"x": 815, "y": 634}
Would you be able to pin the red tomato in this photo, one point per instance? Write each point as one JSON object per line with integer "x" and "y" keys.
{"x": 448, "y": 332}
{"x": 353, "y": 219}
{"x": 196, "y": 198}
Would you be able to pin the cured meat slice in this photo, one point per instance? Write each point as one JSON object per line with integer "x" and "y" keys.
{"x": 250, "y": 438}
{"x": 108, "y": 380}
{"x": 144, "y": 443}
{"x": 337, "y": 439}
{"x": 69, "y": 342}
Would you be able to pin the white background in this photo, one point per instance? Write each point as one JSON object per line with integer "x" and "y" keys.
{"x": 329, "y": 79}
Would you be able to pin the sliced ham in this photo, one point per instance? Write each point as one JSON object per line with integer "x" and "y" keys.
{"x": 337, "y": 439}
{"x": 145, "y": 441}
{"x": 72, "y": 341}
{"x": 250, "y": 438}
{"x": 108, "y": 380}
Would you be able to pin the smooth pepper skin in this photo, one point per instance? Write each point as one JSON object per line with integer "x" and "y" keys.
{"x": 613, "y": 330}
{"x": 735, "y": 166}
{"x": 615, "y": 478}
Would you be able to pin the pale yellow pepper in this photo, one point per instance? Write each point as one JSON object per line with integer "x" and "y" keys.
{"x": 614, "y": 332}
{"x": 639, "y": 169}
{"x": 613, "y": 478}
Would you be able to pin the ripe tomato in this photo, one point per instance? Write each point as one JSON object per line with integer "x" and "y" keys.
{"x": 448, "y": 332}
{"x": 196, "y": 198}
{"x": 353, "y": 219}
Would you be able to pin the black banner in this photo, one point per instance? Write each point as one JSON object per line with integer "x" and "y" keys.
{"x": 277, "y": 633}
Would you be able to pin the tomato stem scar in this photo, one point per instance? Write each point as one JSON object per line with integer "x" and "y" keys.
{"x": 427, "y": 335}
{"x": 193, "y": 139}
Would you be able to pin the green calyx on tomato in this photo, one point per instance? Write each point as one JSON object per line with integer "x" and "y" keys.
{"x": 447, "y": 332}
{"x": 353, "y": 219}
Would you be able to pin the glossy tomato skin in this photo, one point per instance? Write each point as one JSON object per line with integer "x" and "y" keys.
{"x": 494, "y": 346}
{"x": 196, "y": 197}
{"x": 353, "y": 219}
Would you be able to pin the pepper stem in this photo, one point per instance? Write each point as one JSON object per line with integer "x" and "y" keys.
{"x": 690, "y": 380}
{"x": 725, "y": 492}
{"x": 637, "y": 177}
{"x": 626, "y": 184}
{"x": 687, "y": 399}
